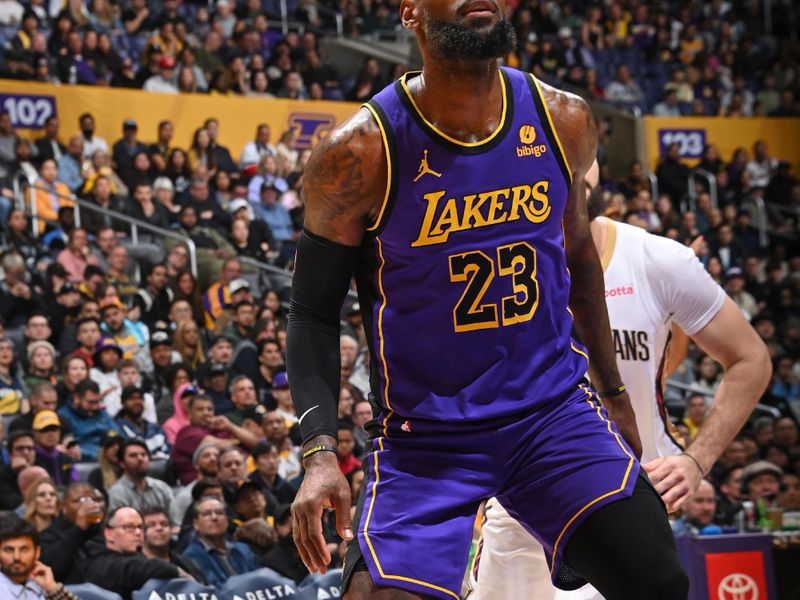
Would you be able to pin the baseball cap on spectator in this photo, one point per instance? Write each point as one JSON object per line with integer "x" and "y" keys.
{"x": 163, "y": 183}
{"x": 761, "y": 467}
{"x": 109, "y": 438}
{"x": 159, "y": 338}
{"x": 238, "y": 285}
{"x": 33, "y": 347}
{"x": 166, "y": 62}
{"x": 734, "y": 272}
{"x": 238, "y": 204}
{"x": 217, "y": 369}
{"x": 354, "y": 309}
{"x": 106, "y": 343}
{"x": 129, "y": 391}
{"x": 254, "y": 413}
{"x": 129, "y": 124}
{"x": 111, "y": 302}
{"x": 67, "y": 288}
{"x": 244, "y": 485}
{"x": 280, "y": 380}
{"x": 189, "y": 390}
{"x": 45, "y": 419}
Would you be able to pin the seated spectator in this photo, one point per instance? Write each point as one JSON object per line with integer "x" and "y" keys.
{"x": 83, "y": 509}
{"x": 131, "y": 337}
{"x": 43, "y": 397}
{"x": 789, "y": 498}
{"x": 205, "y": 461}
{"x": 117, "y": 273}
{"x": 243, "y": 396}
{"x": 70, "y": 164}
{"x": 127, "y": 147}
{"x": 277, "y": 434}
{"x": 218, "y": 296}
{"x": 347, "y": 462}
{"x": 232, "y": 470}
{"x": 164, "y": 80}
{"x": 118, "y": 565}
{"x": 762, "y": 479}
{"x": 16, "y": 294}
{"x": 12, "y": 390}
{"x": 212, "y": 247}
{"x": 216, "y": 378}
{"x": 695, "y": 414}
{"x": 249, "y": 503}
{"x": 698, "y": 512}
{"x": 42, "y": 503}
{"x": 266, "y": 474}
{"x": 47, "y": 437}
{"x": 730, "y": 495}
{"x": 154, "y": 298}
{"x": 87, "y": 335}
{"x": 104, "y": 373}
{"x": 134, "y": 488}
{"x": 254, "y": 151}
{"x": 180, "y": 402}
{"x": 205, "y": 428}
{"x": 132, "y": 423}
{"x": 89, "y": 421}
{"x": 108, "y": 470}
{"x": 77, "y": 255}
{"x": 22, "y": 454}
{"x": 188, "y": 343}
{"x": 50, "y": 194}
{"x": 217, "y": 557}
{"x": 21, "y": 573}
{"x": 130, "y": 375}
{"x": 74, "y": 370}
{"x": 158, "y": 543}
{"x": 242, "y": 322}
{"x": 283, "y": 396}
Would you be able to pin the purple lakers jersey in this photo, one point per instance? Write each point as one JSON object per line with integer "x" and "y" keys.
{"x": 462, "y": 279}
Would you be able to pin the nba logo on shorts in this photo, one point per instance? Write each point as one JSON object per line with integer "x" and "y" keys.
{"x": 527, "y": 135}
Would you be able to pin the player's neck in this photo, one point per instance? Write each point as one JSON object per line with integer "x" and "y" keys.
{"x": 599, "y": 229}
{"x": 463, "y": 101}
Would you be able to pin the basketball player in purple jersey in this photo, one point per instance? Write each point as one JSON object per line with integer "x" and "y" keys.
{"x": 456, "y": 195}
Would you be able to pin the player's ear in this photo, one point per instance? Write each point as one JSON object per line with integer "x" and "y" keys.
{"x": 409, "y": 13}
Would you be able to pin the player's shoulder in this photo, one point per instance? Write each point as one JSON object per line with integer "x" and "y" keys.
{"x": 359, "y": 136}
{"x": 574, "y": 124}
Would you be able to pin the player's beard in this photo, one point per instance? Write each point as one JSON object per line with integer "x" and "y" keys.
{"x": 596, "y": 203}
{"x": 454, "y": 41}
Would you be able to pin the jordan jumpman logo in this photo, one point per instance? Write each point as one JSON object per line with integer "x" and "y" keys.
{"x": 424, "y": 168}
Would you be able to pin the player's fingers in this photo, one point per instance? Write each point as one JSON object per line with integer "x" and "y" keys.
{"x": 669, "y": 480}
{"x": 652, "y": 465}
{"x": 317, "y": 546}
{"x": 299, "y": 536}
{"x": 342, "y": 504}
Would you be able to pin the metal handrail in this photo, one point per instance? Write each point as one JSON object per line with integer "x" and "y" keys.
{"x": 653, "y": 185}
{"x": 712, "y": 187}
{"x": 135, "y": 224}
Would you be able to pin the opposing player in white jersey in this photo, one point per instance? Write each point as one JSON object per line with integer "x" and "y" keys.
{"x": 651, "y": 283}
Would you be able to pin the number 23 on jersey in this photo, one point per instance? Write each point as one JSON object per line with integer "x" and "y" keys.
{"x": 517, "y": 261}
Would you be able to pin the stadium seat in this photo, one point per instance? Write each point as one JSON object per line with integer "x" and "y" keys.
{"x": 89, "y": 591}
{"x": 84, "y": 468}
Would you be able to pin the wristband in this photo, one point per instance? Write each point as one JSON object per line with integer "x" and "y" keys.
{"x": 320, "y": 448}
{"x": 617, "y": 391}
{"x": 697, "y": 462}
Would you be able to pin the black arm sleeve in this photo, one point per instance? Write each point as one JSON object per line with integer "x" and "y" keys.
{"x": 323, "y": 270}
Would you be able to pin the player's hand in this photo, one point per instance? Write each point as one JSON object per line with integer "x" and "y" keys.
{"x": 324, "y": 486}
{"x": 620, "y": 411}
{"x": 43, "y": 576}
{"x": 675, "y": 478}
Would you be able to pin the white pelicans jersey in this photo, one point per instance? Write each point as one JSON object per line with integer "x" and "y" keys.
{"x": 651, "y": 282}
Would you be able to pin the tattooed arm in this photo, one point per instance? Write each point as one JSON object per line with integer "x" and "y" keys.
{"x": 574, "y": 122}
{"x": 343, "y": 187}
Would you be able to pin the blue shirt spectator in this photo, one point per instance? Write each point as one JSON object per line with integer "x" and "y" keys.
{"x": 274, "y": 214}
{"x": 69, "y": 164}
{"x": 89, "y": 421}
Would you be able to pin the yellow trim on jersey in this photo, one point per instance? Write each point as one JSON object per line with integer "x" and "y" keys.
{"x": 453, "y": 140}
{"x": 381, "y": 348}
{"x": 385, "y": 139}
{"x": 631, "y": 462}
{"x": 611, "y": 243}
{"x": 372, "y": 548}
{"x": 552, "y": 127}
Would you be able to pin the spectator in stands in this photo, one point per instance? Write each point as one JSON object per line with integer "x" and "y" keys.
{"x": 91, "y": 142}
{"x": 277, "y": 434}
{"x": 158, "y": 543}
{"x": 698, "y": 512}
{"x": 41, "y": 364}
{"x": 43, "y": 396}
{"x": 284, "y": 557}
{"x": 132, "y": 424}
{"x": 761, "y": 167}
{"x": 70, "y": 164}
{"x": 267, "y": 172}
{"x": 16, "y": 294}
{"x": 105, "y": 374}
{"x": 21, "y": 573}
{"x": 624, "y": 88}
{"x": 347, "y": 462}
{"x": 254, "y": 151}
{"x": 163, "y": 80}
{"x": 673, "y": 175}
{"x": 362, "y": 413}
{"x": 22, "y": 454}
{"x": 118, "y": 565}
{"x": 50, "y": 194}
{"x": 77, "y": 255}
{"x": 205, "y": 428}
{"x": 47, "y": 437}
{"x": 188, "y": 343}
{"x": 277, "y": 218}
{"x": 243, "y": 396}
{"x": 734, "y": 286}
{"x": 218, "y": 295}
{"x": 126, "y": 148}
{"x": 762, "y": 481}
{"x": 265, "y": 475}
{"x": 108, "y": 470}
{"x": 131, "y": 339}
{"x": 789, "y": 498}
{"x": 669, "y": 106}
{"x": 243, "y": 322}
{"x": 63, "y": 542}
{"x": 786, "y": 433}
{"x": 205, "y": 461}
{"x": 135, "y": 488}
{"x": 88, "y": 335}
{"x": 217, "y": 557}
{"x": 42, "y": 503}
{"x": 155, "y": 298}
{"x": 88, "y": 419}
{"x": 270, "y": 362}
{"x": 730, "y": 494}
{"x": 212, "y": 247}
{"x": 75, "y": 369}
{"x": 283, "y": 396}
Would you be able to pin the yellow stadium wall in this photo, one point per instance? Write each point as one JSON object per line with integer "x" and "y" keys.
{"x": 238, "y": 116}
{"x": 781, "y": 134}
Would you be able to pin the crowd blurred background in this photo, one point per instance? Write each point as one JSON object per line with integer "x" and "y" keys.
{"x": 106, "y": 339}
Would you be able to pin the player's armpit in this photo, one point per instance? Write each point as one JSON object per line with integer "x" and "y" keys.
{"x": 344, "y": 183}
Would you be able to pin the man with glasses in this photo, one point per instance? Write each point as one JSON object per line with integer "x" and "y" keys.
{"x": 158, "y": 542}
{"x": 119, "y": 565}
{"x": 37, "y": 329}
{"x": 216, "y": 556}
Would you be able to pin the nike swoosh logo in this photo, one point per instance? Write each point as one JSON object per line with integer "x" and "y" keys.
{"x": 303, "y": 416}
